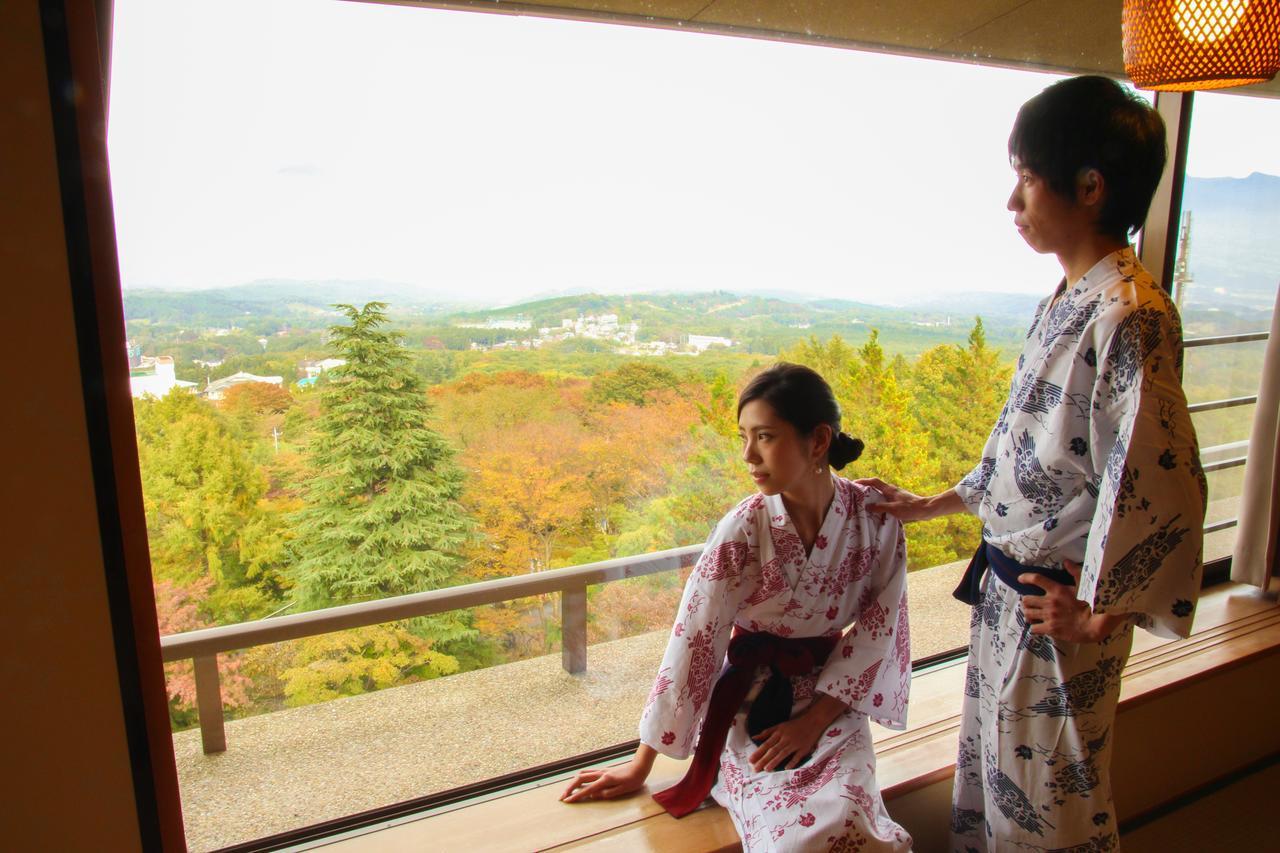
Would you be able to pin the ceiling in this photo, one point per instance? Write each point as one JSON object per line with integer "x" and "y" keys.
{"x": 1068, "y": 35}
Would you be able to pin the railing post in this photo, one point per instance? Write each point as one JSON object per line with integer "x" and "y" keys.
{"x": 209, "y": 704}
{"x": 573, "y": 630}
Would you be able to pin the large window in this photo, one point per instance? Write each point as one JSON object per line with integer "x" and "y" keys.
{"x": 1225, "y": 279}
{"x": 586, "y": 238}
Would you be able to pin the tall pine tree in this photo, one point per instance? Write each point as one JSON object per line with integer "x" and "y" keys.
{"x": 382, "y": 515}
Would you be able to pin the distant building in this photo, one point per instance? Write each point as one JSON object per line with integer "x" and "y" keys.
{"x": 216, "y": 389}
{"x": 518, "y": 323}
{"x": 155, "y": 376}
{"x": 315, "y": 368}
{"x": 700, "y": 343}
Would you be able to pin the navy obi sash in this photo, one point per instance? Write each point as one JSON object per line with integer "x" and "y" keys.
{"x": 1007, "y": 569}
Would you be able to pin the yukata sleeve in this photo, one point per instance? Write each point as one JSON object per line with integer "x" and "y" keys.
{"x": 870, "y": 668}
{"x": 973, "y": 488}
{"x": 699, "y": 638}
{"x": 1144, "y": 550}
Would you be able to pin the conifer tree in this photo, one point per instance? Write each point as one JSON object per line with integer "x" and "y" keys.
{"x": 382, "y": 515}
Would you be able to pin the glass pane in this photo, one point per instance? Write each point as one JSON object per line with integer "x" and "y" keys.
{"x": 1225, "y": 277}
{"x": 584, "y": 257}
{"x": 1223, "y": 371}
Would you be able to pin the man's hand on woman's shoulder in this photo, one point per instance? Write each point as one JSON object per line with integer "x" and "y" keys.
{"x": 906, "y": 506}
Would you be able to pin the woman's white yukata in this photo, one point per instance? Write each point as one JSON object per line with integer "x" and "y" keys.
{"x": 753, "y": 573}
{"x": 1093, "y": 459}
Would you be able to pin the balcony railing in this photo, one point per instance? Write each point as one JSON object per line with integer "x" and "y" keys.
{"x": 204, "y": 646}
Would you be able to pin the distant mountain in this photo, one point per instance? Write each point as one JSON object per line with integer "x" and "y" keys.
{"x": 303, "y": 301}
{"x": 1234, "y": 251}
{"x": 340, "y": 290}
{"x": 1011, "y": 306}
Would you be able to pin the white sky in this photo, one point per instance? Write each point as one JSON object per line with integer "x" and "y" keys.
{"x": 502, "y": 157}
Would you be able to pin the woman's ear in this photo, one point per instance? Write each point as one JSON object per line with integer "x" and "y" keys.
{"x": 823, "y": 435}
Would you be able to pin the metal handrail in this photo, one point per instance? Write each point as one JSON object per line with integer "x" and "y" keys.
{"x": 1218, "y": 340}
{"x": 1228, "y": 403}
{"x": 1242, "y": 444}
{"x": 1225, "y": 463}
{"x": 1220, "y": 525}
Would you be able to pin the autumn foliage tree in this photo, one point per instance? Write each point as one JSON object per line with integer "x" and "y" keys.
{"x": 924, "y": 424}
{"x": 206, "y": 519}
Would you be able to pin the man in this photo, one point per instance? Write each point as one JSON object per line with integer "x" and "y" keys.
{"x": 1089, "y": 488}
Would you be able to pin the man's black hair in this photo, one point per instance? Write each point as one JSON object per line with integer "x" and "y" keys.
{"x": 1094, "y": 123}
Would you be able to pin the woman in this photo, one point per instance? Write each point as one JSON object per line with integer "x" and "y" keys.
{"x": 782, "y": 576}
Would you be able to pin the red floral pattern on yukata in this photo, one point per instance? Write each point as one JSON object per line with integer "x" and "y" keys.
{"x": 724, "y": 561}
{"x": 703, "y": 666}
{"x": 872, "y": 615}
{"x": 860, "y": 797}
{"x": 749, "y": 506}
{"x": 807, "y": 781}
{"x": 902, "y": 637}
{"x": 660, "y": 685}
{"x": 772, "y": 582}
{"x": 787, "y": 546}
{"x": 855, "y": 566}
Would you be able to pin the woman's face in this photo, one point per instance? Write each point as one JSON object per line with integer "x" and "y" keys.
{"x": 776, "y": 455}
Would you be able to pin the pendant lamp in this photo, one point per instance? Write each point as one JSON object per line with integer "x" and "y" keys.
{"x": 1179, "y": 45}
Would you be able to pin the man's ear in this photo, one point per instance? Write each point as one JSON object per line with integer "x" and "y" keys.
{"x": 1091, "y": 188}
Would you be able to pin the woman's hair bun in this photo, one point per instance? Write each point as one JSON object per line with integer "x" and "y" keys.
{"x": 844, "y": 449}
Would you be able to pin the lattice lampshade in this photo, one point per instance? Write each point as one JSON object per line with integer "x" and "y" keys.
{"x": 1177, "y": 45}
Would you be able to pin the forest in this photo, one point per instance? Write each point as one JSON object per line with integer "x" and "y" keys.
{"x": 414, "y": 467}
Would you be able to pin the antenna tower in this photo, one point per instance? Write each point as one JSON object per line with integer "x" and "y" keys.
{"x": 1181, "y": 269}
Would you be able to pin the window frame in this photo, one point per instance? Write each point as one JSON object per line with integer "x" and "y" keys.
{"x": 74, "y": 41}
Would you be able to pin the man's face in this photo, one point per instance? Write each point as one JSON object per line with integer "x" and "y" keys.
{"x": 1048, "y": 222}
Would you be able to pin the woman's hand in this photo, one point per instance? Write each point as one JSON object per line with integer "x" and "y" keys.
{"x": 1060, "y": 615}
{"x": 613, "y": 781}
{"x": 905, "y": 506}
{"x": 796, "y": 738}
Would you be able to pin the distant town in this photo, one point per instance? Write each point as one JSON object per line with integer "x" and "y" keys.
{"x": 157, "y": 375}
{"x": 601, "y": 327}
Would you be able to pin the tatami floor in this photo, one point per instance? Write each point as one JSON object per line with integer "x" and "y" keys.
{"x": 1239, "y": 817}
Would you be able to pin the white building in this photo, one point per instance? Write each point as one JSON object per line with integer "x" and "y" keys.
{"x": 517, "y": 323}
{"x": 700, "y": 343}
{"x": 155, "y": 376}
{"x": 218, "y": 388}
{"x": 315, "y": 368}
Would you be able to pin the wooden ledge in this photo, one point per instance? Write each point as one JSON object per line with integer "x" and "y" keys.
{"x": 1234, "y": 626}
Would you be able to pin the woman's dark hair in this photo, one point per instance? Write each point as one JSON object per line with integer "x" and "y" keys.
{"x": 802, "y": 398}
{"x": 1094, "y": 123}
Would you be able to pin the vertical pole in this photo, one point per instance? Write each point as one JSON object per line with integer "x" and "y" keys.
{"x": 209, "y": 704}
{"x": 1159, "y": 243}
{"x": 573, "y": 630}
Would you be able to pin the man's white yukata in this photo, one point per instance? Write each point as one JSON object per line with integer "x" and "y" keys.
{"x": 753, "y": 573}
{"x": 1093, "y": 459}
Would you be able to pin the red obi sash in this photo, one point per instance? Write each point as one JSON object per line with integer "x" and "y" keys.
{"x": 748, "y": 650}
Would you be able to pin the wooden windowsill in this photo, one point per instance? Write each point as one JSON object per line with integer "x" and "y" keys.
{"x": 1234, "y": 625}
